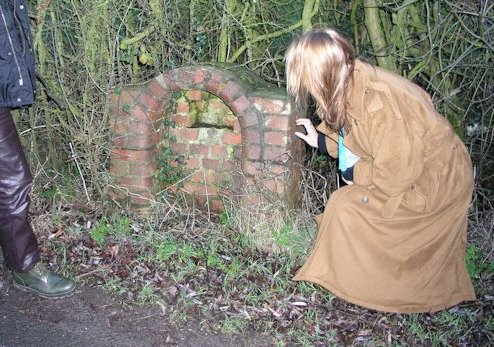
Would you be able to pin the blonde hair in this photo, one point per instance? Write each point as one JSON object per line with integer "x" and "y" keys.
{"x": 320, "y": 63}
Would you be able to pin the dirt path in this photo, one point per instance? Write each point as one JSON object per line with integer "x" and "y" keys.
{"x": 91, "y": 317}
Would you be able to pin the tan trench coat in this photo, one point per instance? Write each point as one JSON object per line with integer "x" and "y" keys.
{"x": 395, "y": 241}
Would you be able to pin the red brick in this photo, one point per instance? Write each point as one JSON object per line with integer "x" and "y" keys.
{"x": 183, "y": 120}
{"x": 228, "y": 93}
{"x": 214, "y": 87}
{"x": 236, "y": 125}
{"x": 249, "y": 119}
{"x": 142, "y": 128}
{"x": 274, "y": 153}
{"x": 137, "y": 142}
{"x": 270, "y": 106}
{"x": 240, "y": 105}
{"x": 157, "y": 89}
{"x": 217, "y": 77}
{"x": 277, "y": 170}
{"x": 145, "y": 156}
{"x": 127, "y": 98}
{"x": 183, "y": 107}
{"x": 194, "y": 95}
{"x": 199, "y": 77}
{"x": 252, "y": 152}
{"x": 251, "y": 136}
{"x": 120, "y": 127}
{"x": 210, "y": 164}
{"x": 275, "y": 138}
{"x": 217, "y": 151}
{"x": 190, "y": 134}
{"x": 156, "y": 116}
{"x": 199, "y": 150}
{"x": 137, "y": 182}
{"x": 232, "y": 138}
{"x": 119, "y": 168}
{"x": 149, "y": 102}
{"x": 252, "y": 168}
{"x": 273, "y": 185}
{"x": 138, "y": 170}
{"x": 139, "y": 114}
{"x": 193, "y": 163}
{"x": 277, "y": 122}
{"x": 178, "y": 148}
{"x": 185, "y": 77}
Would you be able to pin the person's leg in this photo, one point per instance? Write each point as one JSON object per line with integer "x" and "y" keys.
{"x": 18, "y": 242}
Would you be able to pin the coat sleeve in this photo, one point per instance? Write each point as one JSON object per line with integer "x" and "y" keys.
{"x": 396, "y": 150}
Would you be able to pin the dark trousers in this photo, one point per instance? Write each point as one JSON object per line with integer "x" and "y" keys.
{"x": 19, "y": 244}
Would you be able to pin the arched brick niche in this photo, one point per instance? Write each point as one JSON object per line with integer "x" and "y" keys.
{"x": 260, "y": 144}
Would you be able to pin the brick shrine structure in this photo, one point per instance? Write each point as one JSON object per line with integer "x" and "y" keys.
{"x": 248, "y": 142}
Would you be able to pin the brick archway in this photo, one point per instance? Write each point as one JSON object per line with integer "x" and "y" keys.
{"x": 265, "y": 115}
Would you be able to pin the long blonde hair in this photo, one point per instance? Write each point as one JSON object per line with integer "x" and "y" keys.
{"x": 320, "y": 64}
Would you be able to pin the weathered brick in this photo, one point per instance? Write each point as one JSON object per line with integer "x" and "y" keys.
{"x": 194, "y": 95}
{"x": 252, "y": 168}
{"x": 277, "y": 154}
{"x": 236, "y": 125}
{"x": 190, "y": 134}
{"x": 127, "y": 98}
{"x": 276, "y": 186}
{"x": 230, "y": 90}
{"x": 275, "y": 138}
{"x": 136, "y": 142}
{"x": 210, "y": 164}
{"x": 249, "y": 119}
{"x": 193, "y": 163}
{"x": 240, "y": 104}
{"x": 217, "y": 151}
{"x": 232, "y": 138}
{"x": 142, "y": 156}
{"x": 277, "y": 122}
{"x": 251, "y": 136}
{"x": 199, "y": 77}
{"x": 136, "y": 169}
{"x": 181, "y": 120}
{"x": 270, "y": 106}
{"x": 157, "y": 89}
{"x": 149, "y": 102}
{"x": 119, "y": 168}
{"x": 137, "y": 182}
{"x": 178, "y": 148}
{"x": 182, "y": 107}
{"x": 199, "y": 150}
{"x": 253, "y": 152}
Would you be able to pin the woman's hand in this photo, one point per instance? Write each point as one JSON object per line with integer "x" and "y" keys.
{"x": 311, "y": 133}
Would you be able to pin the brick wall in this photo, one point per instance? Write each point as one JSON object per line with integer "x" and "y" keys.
{"x": 229, "y": 132}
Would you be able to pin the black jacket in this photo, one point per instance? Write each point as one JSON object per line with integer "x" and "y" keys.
{"x": 17, "y": 74}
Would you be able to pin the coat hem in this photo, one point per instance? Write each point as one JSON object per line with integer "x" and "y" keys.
{"x": 393, "y": 309}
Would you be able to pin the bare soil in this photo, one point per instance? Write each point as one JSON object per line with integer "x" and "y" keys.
{"x": 91, "y": 317}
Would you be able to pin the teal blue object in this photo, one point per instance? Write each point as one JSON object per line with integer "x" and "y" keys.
{"x": 346, "y": 158}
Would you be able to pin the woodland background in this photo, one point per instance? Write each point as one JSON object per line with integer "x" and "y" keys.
{"x": 86, "y": 48}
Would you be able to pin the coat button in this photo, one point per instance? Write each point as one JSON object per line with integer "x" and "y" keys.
{"x": 21, "y": 7}
{"x": 365, "y": 200}
{"x": 366, "y": 91}
{"x": 9, "y": 53}
{"x": 19, "y": 99}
